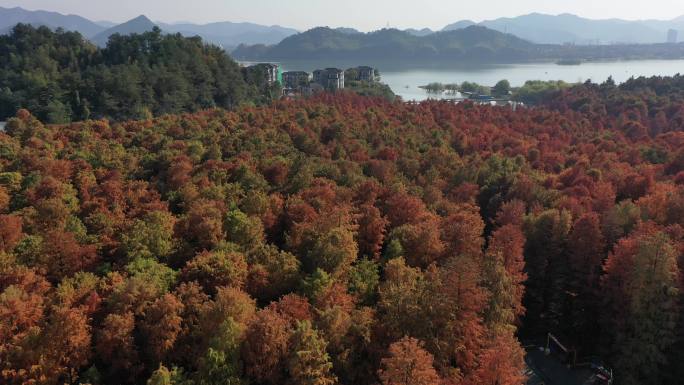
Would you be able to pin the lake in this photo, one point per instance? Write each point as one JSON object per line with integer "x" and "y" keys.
{"x": 406, "y": 79}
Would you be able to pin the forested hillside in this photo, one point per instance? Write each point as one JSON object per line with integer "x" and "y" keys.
{"x": 343, "y": 239}
{"x": 61, "y": 77}
{"x": 474, "y": 44}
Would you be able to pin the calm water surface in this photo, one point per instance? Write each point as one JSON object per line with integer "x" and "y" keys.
{"x": 406, "y": 79}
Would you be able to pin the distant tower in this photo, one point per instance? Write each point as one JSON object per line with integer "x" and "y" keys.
{"x": 672, "y": 36}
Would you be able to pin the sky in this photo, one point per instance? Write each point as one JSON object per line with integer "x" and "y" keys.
{"x": 365, "y": 15}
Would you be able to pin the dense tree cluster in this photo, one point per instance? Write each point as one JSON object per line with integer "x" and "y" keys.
{"x": 344, "y": 239}
{"x": 61, "y": 77}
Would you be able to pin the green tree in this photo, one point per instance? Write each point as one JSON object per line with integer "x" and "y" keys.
{"x": 309, "y": 363}
{"x": 248, "y": 232}
{"x": 332, "y": 251}
{"x": 364, "y": 279}
{"x": 164, "y": 376}
{"x": 502, "y": 88}
{"x": 157, "y": 273}
{"x": 220, "y": 365}
{"x": 215, "y": 269}
{"x": 536, "y": 91}
{"x": 273, "y": 272}
{"x": 316, "y": 283}
{"x": 150, "y": 237}
{"x": 641, "y": 288}
{"x": 547, "y": 266}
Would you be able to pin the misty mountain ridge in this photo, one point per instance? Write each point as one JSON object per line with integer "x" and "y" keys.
{"x": 9, "y": 17}
{"x": 226, "y": 34}
{"x": 140, "y": 24}
{"x": 412, "y": 31}
{"x": 229, "y": 35}
{"x": 264, "y": 40}
{"x": 472, "y": 43}
{"x": 569, "y": 28}
{"x": 419, "y": 32}
{"x": 350, "y": 31}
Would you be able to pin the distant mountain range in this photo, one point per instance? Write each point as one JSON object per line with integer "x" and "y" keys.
{"x": 567, "y": 28}
{"x": 412, "y": 31}
{"x": 529, "y": 37}
{"x": 9, "y": 17}
{"x": 419, "y": 32}
{"x": 230, "y": 35}
{"x": 473, "y": 43}
{"x": 138, "y": 25}
{"x": 226, "y": 34}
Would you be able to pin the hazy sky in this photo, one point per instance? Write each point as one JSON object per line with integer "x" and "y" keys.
{"x": 362, "y": 14}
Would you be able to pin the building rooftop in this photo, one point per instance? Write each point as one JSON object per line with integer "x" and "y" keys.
{"x": 269, "y": 65}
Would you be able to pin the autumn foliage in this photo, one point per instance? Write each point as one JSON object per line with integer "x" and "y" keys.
{"x": 343, "y": 239}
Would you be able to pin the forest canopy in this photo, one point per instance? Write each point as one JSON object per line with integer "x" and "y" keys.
{"x": 344, "y": 239}
{"x": 61, "y": 77}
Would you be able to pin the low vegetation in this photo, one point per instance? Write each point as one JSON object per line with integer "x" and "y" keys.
{"x": 538, "y": 91}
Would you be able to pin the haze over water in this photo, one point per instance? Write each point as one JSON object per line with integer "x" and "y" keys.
{"x": 406, "y": 79}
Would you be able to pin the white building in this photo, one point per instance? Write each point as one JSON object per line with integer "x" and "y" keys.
{"x": 295, "y": 79}
{"x": 330, "y": 78}
{"x": 366, "y": 74}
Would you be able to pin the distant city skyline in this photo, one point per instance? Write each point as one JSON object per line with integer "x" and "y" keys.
{"x": 364, "y": 15}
